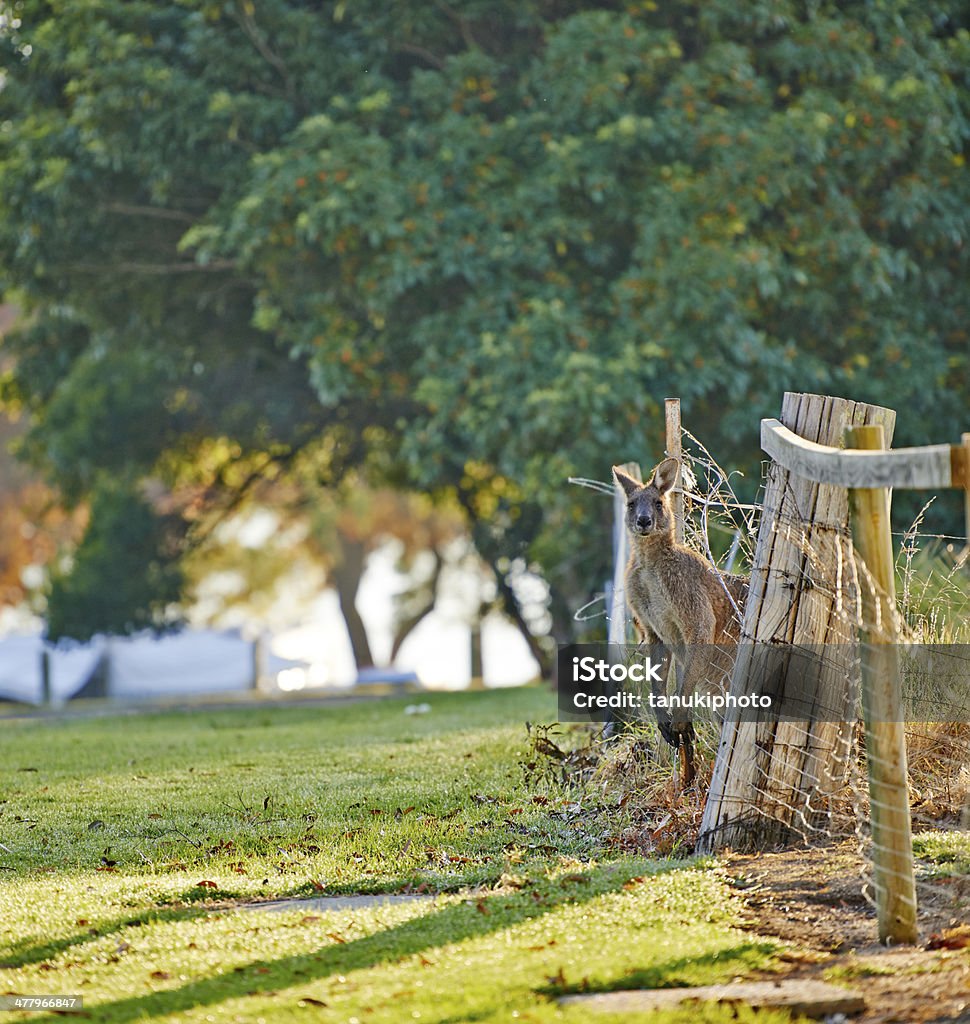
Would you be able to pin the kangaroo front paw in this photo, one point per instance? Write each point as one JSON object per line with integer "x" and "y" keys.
{"x": 676, "y": 733}
{"x": 683, "y": 733}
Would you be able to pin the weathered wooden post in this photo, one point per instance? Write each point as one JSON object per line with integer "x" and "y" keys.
{"x": 772, "y": 777}
{"x": 965, "y": 440}
{"x": 675, "y": 450}
{"x": 618, "y": 626}
{"x": 617, "y": 631}
{"x": 892, "y": 843}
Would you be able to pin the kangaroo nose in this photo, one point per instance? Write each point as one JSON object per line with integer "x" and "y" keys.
{"x": 644, "y": 522}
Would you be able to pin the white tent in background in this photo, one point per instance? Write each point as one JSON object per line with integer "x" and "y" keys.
{"x": 21, "y": 676}
{"x": 179, "y": 664}
{"x": 174, "y": 665}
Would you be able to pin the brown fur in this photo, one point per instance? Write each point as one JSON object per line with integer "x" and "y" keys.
{"x": 677, "y": 598}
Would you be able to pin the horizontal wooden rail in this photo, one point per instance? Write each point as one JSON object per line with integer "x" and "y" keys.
{"x": 930, "y": 467}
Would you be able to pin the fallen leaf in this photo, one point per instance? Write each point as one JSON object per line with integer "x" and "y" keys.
{"x": 160, "y": 975}
{"x": 336, "y": 938}
{"x": 950, "y": 938}
{"x": 310, "y": 1001}
{"x": 206, "y": 884}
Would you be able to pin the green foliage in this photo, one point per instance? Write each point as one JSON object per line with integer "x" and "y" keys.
{"x": 948, "y": 852}
{"x": 491, "y": 236}
{"x": 125, "y": 574}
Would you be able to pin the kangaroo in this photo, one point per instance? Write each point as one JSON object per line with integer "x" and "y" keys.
{"x": 677, "y": 598}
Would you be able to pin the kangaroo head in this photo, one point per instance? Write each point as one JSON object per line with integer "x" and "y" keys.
{"x": 647, "y": 509}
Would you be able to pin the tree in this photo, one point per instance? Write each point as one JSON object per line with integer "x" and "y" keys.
{"x": 307, "y": 537}
{"x": 488, "y": 237}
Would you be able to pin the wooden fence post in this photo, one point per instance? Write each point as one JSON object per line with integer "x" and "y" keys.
{"x": 892, "y": 842}
{"x": 965, "y": 440}
{"x": 675, "y": 450}
{"x": 259, "y": 660}
{"x": 617, "y": 630}
{"x": 770, "y": 777}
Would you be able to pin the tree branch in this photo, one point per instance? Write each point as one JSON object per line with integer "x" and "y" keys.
{"x": 419, "y": 51}
{"x": 466, "y": 33}
{"x": 248, "y": 24}
{"x": 510, "y": 602}
{"x": 215, "y": 266}
{"x": 160, "y": 212}
{"x": 408, "y": 626}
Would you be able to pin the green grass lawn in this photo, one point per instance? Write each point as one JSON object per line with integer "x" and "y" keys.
{"x": 126, "y": 843}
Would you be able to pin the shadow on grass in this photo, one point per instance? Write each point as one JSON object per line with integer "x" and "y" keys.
{"x": 667, "y": 975}
{"x": 450, "y": 924}
{"x": 23, "y": 954}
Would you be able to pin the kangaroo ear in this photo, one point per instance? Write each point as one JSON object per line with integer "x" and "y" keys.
{"x": 665, "y": 475}
{"x": 629, "y": 485}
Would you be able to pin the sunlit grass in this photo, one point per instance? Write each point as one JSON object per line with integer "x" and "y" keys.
{"x": 128, "y": 843}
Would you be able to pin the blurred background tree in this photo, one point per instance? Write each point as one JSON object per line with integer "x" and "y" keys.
{"x": 469, "y": 248}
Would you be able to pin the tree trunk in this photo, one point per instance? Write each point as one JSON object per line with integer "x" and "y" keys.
{"x": 407, "y": 627}
{"x": 347, "y": 574}
{"x": 509, "y": 602}
{"x": 511, "y": 607}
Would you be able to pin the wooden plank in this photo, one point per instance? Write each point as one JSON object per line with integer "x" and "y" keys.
{"x": 892, "y": 841}
{"x": 928, "y": 467}
{"x": 675, "y": 451}
{"x": 807, "y": 997}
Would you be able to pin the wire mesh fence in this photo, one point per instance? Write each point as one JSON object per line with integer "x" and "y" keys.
{"x": 804, "y": 773}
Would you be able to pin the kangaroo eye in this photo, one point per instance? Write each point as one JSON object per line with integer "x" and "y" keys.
{"x": 659, "y": 505}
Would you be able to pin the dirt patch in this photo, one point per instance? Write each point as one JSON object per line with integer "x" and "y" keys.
{"x": 813, "y": 899}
